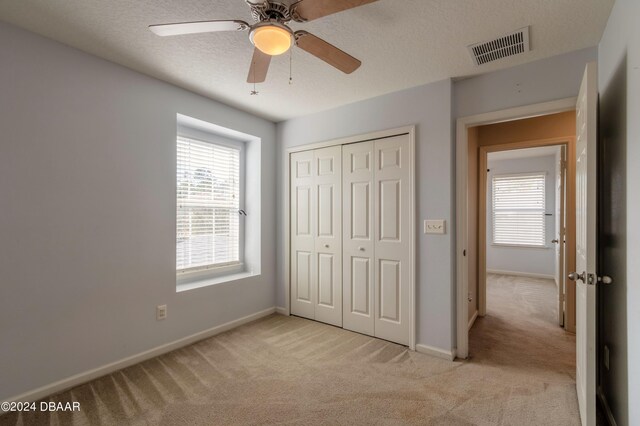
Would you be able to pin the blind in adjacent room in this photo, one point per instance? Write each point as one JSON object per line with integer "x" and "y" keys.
{"x": 519, "y": 210}
{"x": 208, "y": 200}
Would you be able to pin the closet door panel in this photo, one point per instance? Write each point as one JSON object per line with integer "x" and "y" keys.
{"x": 328, "y": 234}
{"x": 358, "y": 242}
{"x": 326, "y": 279}
{"x": 361, "y": 285}
{"x": 303, "y": 276}
{"x": 390, "y": 290}
{"x": 393, "y": 239}
{"x": 303, "y": 219}
{"x": 389, "y": 210}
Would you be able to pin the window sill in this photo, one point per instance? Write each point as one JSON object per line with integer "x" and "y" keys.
{"x": 209, "y": 281}
{"x": 520, "y": 246}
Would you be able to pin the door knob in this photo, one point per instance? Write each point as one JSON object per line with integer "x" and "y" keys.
{"x": 574, "y": 276}
{"x": 556, "y": 241}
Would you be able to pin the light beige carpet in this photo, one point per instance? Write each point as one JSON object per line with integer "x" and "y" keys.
{"x": 287, "y": 370}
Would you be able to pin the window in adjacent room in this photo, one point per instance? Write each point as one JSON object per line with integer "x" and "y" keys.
{"x": 518, "y": 204}
{"x": 209, "y": 220}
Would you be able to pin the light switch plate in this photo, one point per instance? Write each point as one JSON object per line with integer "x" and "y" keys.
{"x": 435, "y": 226}
{"x": 161, "y": 312}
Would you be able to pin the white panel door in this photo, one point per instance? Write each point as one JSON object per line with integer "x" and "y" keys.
{"x": 303, "y": 225}
{"x": 328, "y": 235}
{"x": 586, "y": 192}
{"x": 358, "y": 242}
{"x": 393, "y": 239}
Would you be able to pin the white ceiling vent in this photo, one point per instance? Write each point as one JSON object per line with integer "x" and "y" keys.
{"x": 511, "y": 44}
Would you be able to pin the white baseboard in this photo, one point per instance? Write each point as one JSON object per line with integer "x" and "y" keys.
{"x": 282, "y": 311}
{"x": 473, "y": 319}
{"x": 607, "y": 409}
{"x": 84, "y": 377}
{"x": 520, "y": 274}
{"x": 437, "y": 352}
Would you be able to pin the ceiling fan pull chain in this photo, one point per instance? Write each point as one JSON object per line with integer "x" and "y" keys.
{"x": 290, "y": 67}
{"x": 254, "y": 92}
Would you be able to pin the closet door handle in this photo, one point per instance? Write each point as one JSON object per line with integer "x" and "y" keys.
{"x": 361, "y": 248}
{"x": 326, "y": 246}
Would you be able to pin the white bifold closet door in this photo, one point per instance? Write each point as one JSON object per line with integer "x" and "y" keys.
{"x": 358, "y": 240}
{"x": 377, "y": 238}
{"x": 316, "y": 234}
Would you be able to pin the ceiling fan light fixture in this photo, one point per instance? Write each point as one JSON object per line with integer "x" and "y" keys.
{"x": 271, "y": 38}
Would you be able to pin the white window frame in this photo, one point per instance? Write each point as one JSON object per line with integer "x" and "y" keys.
{"x": 189, "y": 275}
{"x": 543, "y": 245}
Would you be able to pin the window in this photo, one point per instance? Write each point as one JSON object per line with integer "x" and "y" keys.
{"x": 519, "y": 210}
{"x": 208, "y": 217}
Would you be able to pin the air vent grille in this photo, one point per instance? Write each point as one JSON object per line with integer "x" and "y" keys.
{"x": 509, "y": 45}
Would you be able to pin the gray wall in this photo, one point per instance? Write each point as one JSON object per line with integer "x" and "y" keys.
{"x": 538, "y": 261}
{"x": 619, "y": 315}
{"x": 429, "y": 107}
{"x": 87, "y": 217}
{"x": 549, "y": 79}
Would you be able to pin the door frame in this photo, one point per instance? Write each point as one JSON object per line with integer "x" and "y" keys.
{"x": 462, "y": 143}
{"x": 569, "y": 191}
{"x": 561, "y": 211}
{"x": 406, "y": 130}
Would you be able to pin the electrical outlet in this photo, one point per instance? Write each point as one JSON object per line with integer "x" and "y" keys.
{"x": 606, "y": 357}
{"x": 435, "y": 226}
{"x": 161, "y": 312}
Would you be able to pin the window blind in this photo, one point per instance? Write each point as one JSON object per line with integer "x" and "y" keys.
{"x": 208, "y": 200}
{"x": 519, "y": 210}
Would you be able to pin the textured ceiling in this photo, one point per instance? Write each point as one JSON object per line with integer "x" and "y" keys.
{"x": 402, "y": 44}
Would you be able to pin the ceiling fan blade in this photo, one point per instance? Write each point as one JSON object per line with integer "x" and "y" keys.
{"x": 308, "y": 10}
{"x": 259, "y": 67}
{"x": 327, "y": 52}
{"x": 198, "y": 27}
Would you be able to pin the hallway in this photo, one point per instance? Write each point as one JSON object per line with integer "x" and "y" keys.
{"x": 520, "y": 334}
{"x": 521, "y": 330}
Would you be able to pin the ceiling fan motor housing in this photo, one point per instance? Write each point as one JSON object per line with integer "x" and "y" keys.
{"x": 268, "y": 10}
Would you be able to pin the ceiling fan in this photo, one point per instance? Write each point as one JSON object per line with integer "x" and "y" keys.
{"x": 271, "y": 35}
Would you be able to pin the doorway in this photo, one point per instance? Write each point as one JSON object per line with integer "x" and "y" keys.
{"x": 522, "y": 221}
{"x": 521, "y": 237}
{"x": 521, "y": 250}
{"x": 518, "y": 218}
{"x": 521, "y": 253}
{"x": 546, "y": 125}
